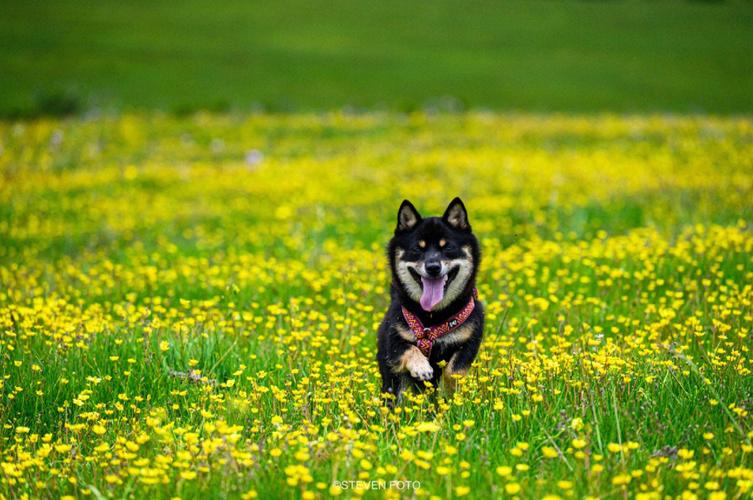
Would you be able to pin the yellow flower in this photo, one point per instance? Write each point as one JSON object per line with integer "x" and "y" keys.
{"x": 461, "y": 491}
{"x": 614, "y": 448}
{"x": 427, "y": 427}
{"x": 512, "y": 488}
{"x": 504, "y": 470}
{"x": 565, "y": 485}
{"x": 621, "y": 479}
{"x": 579, "y": 443}
{"x": 549, "y": 452}
{"x": 711, "y": 485}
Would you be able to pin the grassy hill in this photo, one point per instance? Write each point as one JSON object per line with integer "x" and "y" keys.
{"x": 64, "y": 56}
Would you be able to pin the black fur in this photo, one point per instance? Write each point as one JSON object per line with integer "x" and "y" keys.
{"x": 453, "y": 227}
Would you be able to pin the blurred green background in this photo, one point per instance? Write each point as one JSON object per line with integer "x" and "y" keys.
{"x": 69, "y": 56}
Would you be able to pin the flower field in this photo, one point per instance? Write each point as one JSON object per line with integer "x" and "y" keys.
{"x": 188, "y": 306}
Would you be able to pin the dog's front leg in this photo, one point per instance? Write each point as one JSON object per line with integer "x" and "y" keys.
{"x": 414, "y": 362}
{"x": 451, "y": 373}
{"x": 410, "y": 362}
{"x": 459, "y": 364}
{"x": 406, "y": 357}
{"x": 399, "y": 359}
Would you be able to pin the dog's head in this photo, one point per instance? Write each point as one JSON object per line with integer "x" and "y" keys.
{"x": 433, "y": 260}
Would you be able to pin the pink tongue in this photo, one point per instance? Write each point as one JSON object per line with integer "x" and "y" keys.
{"x": 433, "y": 292}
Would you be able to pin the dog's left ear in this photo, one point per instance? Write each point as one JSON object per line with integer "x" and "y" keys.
{"x": 407, "y": 217}
{"x": 456, "y": 215}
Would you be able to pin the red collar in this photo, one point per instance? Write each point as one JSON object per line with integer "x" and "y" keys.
{"x": 425, "y": 336}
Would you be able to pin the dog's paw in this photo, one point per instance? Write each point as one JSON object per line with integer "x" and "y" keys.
{"x": 419, "y": 368}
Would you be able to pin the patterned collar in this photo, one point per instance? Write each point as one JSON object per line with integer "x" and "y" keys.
{"x": 425, "y": 336}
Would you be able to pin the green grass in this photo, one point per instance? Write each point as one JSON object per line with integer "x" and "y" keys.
{"x": 616, "y": 278}
{"x": 683, "y": 56}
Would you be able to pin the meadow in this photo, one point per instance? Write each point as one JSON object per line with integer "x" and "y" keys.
{"x": 684, "y": 56}
{"x": 189, "y": 306}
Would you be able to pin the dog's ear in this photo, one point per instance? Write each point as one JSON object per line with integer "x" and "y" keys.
{"x": 456, "y": 215}
{"x": 407, "y": 217}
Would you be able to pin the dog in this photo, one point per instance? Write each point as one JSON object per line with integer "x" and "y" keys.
{"x": 435, "y": 322}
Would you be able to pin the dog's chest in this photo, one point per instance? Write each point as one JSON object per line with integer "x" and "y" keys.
{"x": 456, "y": 336}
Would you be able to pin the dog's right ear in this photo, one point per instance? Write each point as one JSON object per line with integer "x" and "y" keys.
{"x": 407, "y": 217}
{"x": 456, "y": 215}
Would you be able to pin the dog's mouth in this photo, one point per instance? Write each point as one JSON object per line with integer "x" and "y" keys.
{"x": 433, "y": 289}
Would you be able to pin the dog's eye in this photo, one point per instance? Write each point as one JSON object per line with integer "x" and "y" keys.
{"x": 422, "y": 243}
{"x": 442, "y": 243}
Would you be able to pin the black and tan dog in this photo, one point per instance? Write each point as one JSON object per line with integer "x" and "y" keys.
{"x": 434, "y": 316}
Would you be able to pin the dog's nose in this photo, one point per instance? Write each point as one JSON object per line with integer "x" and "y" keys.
{"x": 433, "y": 268}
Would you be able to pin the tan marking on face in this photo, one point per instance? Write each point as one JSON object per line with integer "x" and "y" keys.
{"x": 402, "y": 268}
{"x": 422, "y": 243}
{"x": 442, "y": 243}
